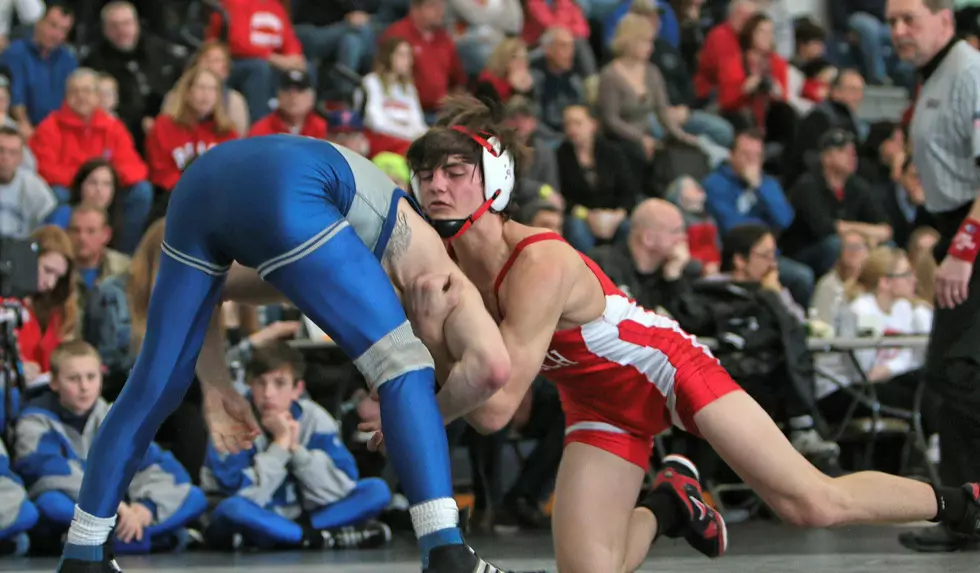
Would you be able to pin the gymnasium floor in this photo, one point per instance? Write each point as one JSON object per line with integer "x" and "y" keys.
{"x": 758, "y": 547}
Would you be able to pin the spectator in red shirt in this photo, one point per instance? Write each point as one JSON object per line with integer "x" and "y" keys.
{"x": 295, "y": 113}
{"x": 720, "y": 43}
{"x": 437, "y": 66}
{"x": 754, "y": 84}
{"x": 81, "y": 131}
{"x": 52, "y": 314}
{"x": 262, "y": 44}
{"x": 540, "y": 15}
{"x": 197, "y": 123}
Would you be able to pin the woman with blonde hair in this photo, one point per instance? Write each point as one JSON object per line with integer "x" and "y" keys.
{"x": 506, "y": 73}
{"x": 632, "y": 92}
{"x": 393, "y": 116}
{"x": 52, "y": 313}
{"x": 196, "y": 122}
{"x": 214, "y": 55}
{"x": 830, "y": 293}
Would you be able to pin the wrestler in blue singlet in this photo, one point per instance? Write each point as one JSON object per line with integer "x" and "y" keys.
{"x": 314, "y": 220}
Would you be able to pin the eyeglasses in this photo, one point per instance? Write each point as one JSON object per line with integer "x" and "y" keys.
{"x": 764, "y": 255}
{"x": 904, "y": 275}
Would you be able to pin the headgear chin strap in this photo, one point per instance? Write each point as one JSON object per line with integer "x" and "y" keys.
{"x": 498, "y": 185}
{"x": 450, "y": 229}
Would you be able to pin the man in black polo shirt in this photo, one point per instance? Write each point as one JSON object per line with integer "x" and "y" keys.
{"x": 828, "y": 202}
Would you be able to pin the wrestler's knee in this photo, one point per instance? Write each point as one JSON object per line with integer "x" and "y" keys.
{"x": 394, "y": 355}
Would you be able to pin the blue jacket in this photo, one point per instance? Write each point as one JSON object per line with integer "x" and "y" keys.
{"x": 37, "y": 82}
{"x": 12, "y": 494}
{"x": 319, "y": 472}
{"x": 51, "y": 447}
{"x": 732, "y": 203}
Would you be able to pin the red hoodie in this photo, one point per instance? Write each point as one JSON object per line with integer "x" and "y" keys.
{"x": 63, "y": 142}
{"x": 720, "y": 44}
{"x": 731, "y": 81}
{"x": 170, "y": 146}
{"x": 256, "y": 29}
{"x": 313, "y": 126}
{"x": 539, "y": 15}
{"x": 37, "y": 345}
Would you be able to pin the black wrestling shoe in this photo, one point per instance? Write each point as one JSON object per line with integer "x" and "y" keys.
{"x": 935, "y": 539}
{"x": 461, "y": 559}
{"x": 106, "y": 565}
{"x": 369, "y": 535}
{"x": 705, "y": 528}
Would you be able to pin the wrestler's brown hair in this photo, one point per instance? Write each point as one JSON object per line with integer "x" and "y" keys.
{"x": 443, "y": 141}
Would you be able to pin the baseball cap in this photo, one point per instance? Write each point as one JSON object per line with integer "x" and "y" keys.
{"x": 835, "y": 139}
{"x": 344, "y": 120}
{"x": 295, "y": 79}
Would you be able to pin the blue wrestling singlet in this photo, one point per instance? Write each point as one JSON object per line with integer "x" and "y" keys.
{"x": 314, "y": 220}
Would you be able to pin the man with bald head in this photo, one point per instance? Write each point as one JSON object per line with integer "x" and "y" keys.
{"x": 555, "y": 78}
{"x": 650, "y": 266}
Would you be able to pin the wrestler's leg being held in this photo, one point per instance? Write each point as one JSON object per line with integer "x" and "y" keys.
{"x": 749, "y": 441}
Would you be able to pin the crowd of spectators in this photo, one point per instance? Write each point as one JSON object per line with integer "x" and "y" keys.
{"x": 688, "y": 146}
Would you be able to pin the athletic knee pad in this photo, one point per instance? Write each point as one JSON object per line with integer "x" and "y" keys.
{"x": 397, "y": 352}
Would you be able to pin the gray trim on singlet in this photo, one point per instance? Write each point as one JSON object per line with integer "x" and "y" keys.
{"x": 373, "y": 194}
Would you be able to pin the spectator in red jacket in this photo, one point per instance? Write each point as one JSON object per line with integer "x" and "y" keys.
{"x": 295, "y": 113}
{"x": 197, "y": 122}
{"x": 80, "y": 131}
{"x": 437, "y": 66}
{"x": 720, "y": 43}
{"x": 754, "y": 84}
{"x": 263, "y": 44}
{"x": 52, "y": 314}
{"x": 540, "y": 15}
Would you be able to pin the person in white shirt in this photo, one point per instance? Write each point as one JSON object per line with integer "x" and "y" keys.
{"x": 882, "y": 305}
{"x": 392, "y": 114}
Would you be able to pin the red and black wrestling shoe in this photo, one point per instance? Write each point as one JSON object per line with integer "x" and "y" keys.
{"x": 970, "y": 525}
{"x": 705, "y": 528}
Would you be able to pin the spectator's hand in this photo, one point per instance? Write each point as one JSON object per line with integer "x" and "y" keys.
{"x": 277, "y": 424}
{"x": 368, "y": 408}
{"x": 676, "y": 261}
{"x": 689, "y": 139}
{"x": 603, "y": 222}
{"x": 753, "y": 175}
{"x": 649, "y": 146}
{"x": 377, "y": 441}
{"x": 25, "y": 128}
{"x": 879, "y": 373}
{"x": 293, "y": 434}
{"x": 148, "y": 124}
{"x": 278, "y": 330}
{"x": 897, "y": 163}
{"x": 358, "y": 18}
{"x": 953, "y": 282}
{"x": 751, "y": 84}
{"x": 127, "y": 524}
{"x": 142, "y": 514}
{"x": 4, "y": 42}
{"x": 776, "y": 90}
{"x": 680, "y": 114}
{"x": 771, "y": 281}
{"x": 31, "y": 371}
{"x": 710, "y": 269}
{"x": 230, "y": 420}
{"x": 428, "y": 301}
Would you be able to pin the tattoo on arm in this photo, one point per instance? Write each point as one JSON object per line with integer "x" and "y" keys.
{"x": 401, "y": 238}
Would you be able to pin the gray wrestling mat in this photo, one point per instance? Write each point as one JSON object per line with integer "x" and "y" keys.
{"x": 754, "y": 548}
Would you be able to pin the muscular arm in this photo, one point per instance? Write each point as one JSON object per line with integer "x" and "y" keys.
{"x": 534, "y": 294}
{"x": 471, "y": 360}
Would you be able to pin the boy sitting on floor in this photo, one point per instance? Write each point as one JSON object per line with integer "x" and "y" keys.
{"x": 53, "y": 437}
{"x": 17, "y": 513}
{"x": 298, "y": 486}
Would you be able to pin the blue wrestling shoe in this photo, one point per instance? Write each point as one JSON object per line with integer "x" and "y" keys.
{"x": 461, "y": 559}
